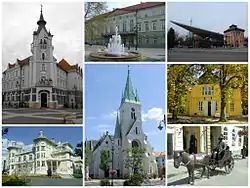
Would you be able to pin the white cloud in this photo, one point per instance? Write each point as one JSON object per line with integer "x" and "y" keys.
{"x": 7, "y": 142}
{"x": 105, "y": 127}
{"x": 111, "y": 115}
{"x": 153, "y": 114}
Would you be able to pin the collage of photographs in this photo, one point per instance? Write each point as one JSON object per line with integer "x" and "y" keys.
{"x": 136, "y": 93}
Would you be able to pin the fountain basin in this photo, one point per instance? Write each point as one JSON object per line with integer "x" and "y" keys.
{"x": 105, "y": 56}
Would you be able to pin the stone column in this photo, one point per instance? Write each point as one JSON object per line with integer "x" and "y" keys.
{"x": 208, "y": 140}
{"x": 51, "y": 166}
{"x": 56, "y": 166}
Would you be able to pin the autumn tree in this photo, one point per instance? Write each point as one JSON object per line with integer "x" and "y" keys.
{"x": 228, "y": 77}
{"x": 92, "y": 9}
{"x": 179, "y": 79}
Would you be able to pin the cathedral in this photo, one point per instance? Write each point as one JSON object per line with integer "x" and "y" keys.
{"x": 40, "y": 80}
{"x": 128, "y": 133}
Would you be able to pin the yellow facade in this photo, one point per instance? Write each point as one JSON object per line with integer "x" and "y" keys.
{"x": 205, "y": 100}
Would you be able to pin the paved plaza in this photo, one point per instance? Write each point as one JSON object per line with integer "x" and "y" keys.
{"x": 54, "y": 182}
{"x": 179, "y": 177}
{"x": 148, "y": 54}
{"x": 37, "y": 116}
{"x": 207, "y": 55}
{"x": 119, "y": 182}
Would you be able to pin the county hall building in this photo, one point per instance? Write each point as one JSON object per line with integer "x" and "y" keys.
{"x": 40, "y": 80}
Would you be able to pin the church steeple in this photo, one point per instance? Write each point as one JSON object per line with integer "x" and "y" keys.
{"x": 41, "y": 22}
{"x": 129, "y": 94}
{"x": 117, "y": 128}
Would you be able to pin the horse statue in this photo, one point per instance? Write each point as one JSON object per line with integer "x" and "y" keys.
{"x": 192, "y": 162}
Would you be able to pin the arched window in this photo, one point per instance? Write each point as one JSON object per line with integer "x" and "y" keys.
{"x": 225, "y": 133}
{"x": 132, "y": 113}
{"x": 41, "y": 41}
{"x": 233, "y": 137}
{"x": 135, "y": 144}
{"x": 43, "y": 56}
{"x": 44, "y": 41}
{"x": 136, "y": 130}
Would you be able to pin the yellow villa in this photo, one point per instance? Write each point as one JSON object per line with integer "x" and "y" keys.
{"x": 204, "y": 100}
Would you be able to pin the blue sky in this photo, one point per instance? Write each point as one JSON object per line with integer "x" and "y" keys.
{"x": 25, "y": 135}
{"x": 103, "y": 89}
{"x": 213, "y": 16}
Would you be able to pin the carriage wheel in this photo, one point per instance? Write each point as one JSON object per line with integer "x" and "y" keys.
{"x": 229, "y": 165}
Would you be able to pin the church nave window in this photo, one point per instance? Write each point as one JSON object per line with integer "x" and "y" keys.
{"x": 136, "y": 130}
{"x": 132, "y": 113}
{"x": 43, "y": 67}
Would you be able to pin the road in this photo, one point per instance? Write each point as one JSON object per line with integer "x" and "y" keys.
{"x": 54, "y": 182}
{"x": 207, "y": 55}
{"x": 34, "y": 116}
{"x": 153, "y": 182}
{"x": 238, "y": 177}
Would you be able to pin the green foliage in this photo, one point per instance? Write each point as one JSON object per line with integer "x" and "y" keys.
{"x": 135, "y": 180}
{"x": 88, "y": 156}
{"x": 93, "y": 9}
{"x": 180, "y": 78}
{"x": 14, "y": 181}
{"x": 104, "y": 160}
{"x": 171, "y": 38}
{"x": 77, "y": 176}
{"x": 134, "y": 159}
{"x": 154, "y": 176}
{"x": 79, "y": 150}
{"x": 49, "y": 172}
{"x": 105, "y": 182}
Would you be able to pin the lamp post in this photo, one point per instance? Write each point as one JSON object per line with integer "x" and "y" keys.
{"x": 162, "y": 122}
{"x": 136, "y": 29}
{"x": 75, "y": 88}
{"x": 112, "y": 162}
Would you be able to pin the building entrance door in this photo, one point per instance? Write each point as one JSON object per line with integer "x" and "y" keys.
{"x": 209, "y": 108}
{"x": 44, "y": 100}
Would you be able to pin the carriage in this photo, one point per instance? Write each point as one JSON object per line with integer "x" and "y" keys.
{"x": 204, "y": 162}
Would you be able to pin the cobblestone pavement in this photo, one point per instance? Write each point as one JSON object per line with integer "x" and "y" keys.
{"x": 207, "y": 55}
{"x": 154, "y": 54}
{"x": 217, "y": 178}
{"x": 154, "y": 182}
{"x": 35, "y": 116}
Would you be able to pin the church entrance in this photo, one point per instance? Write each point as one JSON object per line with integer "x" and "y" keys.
{"x": 44, "y": 100}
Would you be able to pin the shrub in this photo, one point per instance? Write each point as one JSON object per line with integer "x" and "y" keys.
{"x": 135, "y": 180}
{"x": 49, "y": 172}
{"x": 77, "y": 175}
{"x": 104, "y": 182}
{"x": 13, "y": 181}
{"x": 154, "y": 176}
{"x": 127, "y": 183}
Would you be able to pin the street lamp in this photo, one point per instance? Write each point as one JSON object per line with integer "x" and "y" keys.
{"x": 112, "y": 162}
{"x": 164, "y": 123}
{"x": 136, "y": 29}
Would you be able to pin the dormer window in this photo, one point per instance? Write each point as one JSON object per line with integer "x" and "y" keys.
{"x": 43, "y": 56}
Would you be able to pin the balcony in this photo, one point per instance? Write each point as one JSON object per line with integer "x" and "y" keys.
{"x": 44, "y": 83}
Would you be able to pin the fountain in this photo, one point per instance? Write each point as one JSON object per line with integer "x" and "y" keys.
{"x": 115, "y": 51}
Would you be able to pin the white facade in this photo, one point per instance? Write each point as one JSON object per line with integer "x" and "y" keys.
{"x": 206, "y": 141}
{"x": 128, "y": 133}
{"x": 45, "y": 154}
{"x": 38, "y": 80}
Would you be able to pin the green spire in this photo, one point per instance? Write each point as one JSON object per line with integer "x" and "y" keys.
{"x": 117, "y": 128}
{"x": 129, "y": 94}
{"x": 137, "y": 96}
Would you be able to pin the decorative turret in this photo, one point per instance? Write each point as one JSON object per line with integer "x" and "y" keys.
{"x": 41, "y": 22}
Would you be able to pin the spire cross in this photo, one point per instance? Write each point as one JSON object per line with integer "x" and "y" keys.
{"x": 41, "y": 8}
{"x": 128, "y": 69}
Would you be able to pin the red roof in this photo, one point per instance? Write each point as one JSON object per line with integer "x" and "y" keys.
{"x": 11, "y": 65}
{"x": 143, "y": 6}
{"x": 66, "y": 66}
{"x": 24, "y": 61}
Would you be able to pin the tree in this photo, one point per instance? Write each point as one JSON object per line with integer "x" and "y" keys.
{"x": 5, "y": 131}
{"x": 79, "y": 150}
{"x": 229, "y": 77}
{"x": 134, "y": 159}
{"x": 93, "y": 9}
{"x": 180, "y": 78}
{"x": 171, "y": 38}
{"x": 104, "y": 160}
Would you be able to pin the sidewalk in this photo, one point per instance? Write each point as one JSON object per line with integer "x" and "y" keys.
{"x": 172, "y": 171}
